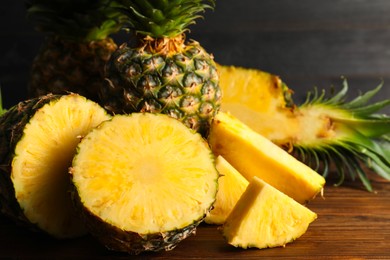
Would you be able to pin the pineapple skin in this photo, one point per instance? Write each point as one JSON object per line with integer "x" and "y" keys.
{"x": 116, "y": 239}
{"x": 12, "y": 124}
{"x": 63, "y": 66}
{"x": 183, "y": 83}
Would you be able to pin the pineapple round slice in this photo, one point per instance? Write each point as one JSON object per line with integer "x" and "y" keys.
{"x": 143, "y": 182}
{"x": 38, "y": 140}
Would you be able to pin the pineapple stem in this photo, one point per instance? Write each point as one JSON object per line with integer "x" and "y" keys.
{"x": 164, "y": 45}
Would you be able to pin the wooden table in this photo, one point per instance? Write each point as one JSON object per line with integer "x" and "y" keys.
{"x": 352, "y": 224}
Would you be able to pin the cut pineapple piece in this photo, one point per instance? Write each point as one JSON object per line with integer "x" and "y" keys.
{"x": 259, "y": 99}
{"x": 39, "y": 138}
{"x": 231, "y": 185}
{"x": 143, "y": 182}
{"x": 265, "y": 217}
{"x": 254, "y": 155}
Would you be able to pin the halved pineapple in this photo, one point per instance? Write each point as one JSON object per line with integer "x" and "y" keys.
{"x": 327, "y": 129}
{"x": 254, "y": 155}
{"x": 231, "y": 185}
{"x": 265, "y": 217}
{"x": 38, "y": 140}
{"x": 143, "y": 182}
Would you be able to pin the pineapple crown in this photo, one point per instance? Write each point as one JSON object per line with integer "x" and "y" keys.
{"x": 162, "y": 18}
{"x": 365, "y": 139}
{"x": 79, "y": 20}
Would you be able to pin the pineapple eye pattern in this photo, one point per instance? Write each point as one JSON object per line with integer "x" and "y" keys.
{"x": 171, "y": 72}
{"x": 134, "y": 70}
{"x": 148, "y": 84}
{"x": 208, "y": 91}
{"x": 192, "y": 80}
{"x": 156, "y": 63}
{"x": 169, "y": 92}
{"x": 190, "y": 102}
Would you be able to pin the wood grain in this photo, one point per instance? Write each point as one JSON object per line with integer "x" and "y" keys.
{"x": 352, "y": 224}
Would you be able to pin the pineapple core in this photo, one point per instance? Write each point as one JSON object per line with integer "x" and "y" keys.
{"x": 145, "y": 173}
{"x": 42, "y": 157}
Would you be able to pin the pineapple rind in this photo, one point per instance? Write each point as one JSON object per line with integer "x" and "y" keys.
{"x": 264, "y": 217}
{"x": 153, "y": 179}
{"x": 63, "y": 66}
{"x": 183, "y": 84}
{"x": 21, "y": 175}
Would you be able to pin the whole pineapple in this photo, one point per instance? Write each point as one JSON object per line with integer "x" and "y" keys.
{"x": 162, "y": 72}
{"x": 77, "y": 45}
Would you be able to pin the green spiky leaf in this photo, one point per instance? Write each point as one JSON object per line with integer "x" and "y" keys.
{"x": 158, "y": 18}
{"x": 362, "y": 136}
{"x": 2, "y": 109}
{"x": 78, "y": 20}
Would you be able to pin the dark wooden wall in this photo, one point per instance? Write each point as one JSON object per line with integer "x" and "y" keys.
{"x": 307, "y": 42}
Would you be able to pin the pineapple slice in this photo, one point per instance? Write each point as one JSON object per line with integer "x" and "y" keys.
{"x": 254, "y": 155}
{"x": 143, "y": 182}
{"x": 265, "y": 217}
{"x": 231, "y": 185}
{"x": 38, "y": 139}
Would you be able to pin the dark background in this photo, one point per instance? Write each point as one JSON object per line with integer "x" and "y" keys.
{"x": 306, "y": 42}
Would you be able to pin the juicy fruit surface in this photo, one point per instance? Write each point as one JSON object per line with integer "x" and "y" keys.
{"x": 259, "y": 99}
{"x": 231, "y": 138}
{"x": 265, "y": 217}
{"x": 64, "y": 66}
{"x": 145, "y": 174}
{"x": 42, "y": 156}
{"x": 183, "y": 84}
{"x": 231, "y": 185}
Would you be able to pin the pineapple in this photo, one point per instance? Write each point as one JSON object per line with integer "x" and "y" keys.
{"x": 265, "y": 217}
{"x": 324, "y": 131}
{"x": 76, "y": 48}
{"x": 254, "y": 155}
{"x": 161, "y": 72}
{"x": 38, "y": 139}
{"x": 143, "y": 182}
{"x": 231, "y": 185}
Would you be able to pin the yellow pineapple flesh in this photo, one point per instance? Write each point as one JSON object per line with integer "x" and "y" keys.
{"x": 143, "y": 182}
{"x": 254, "y": 155}
{"x": 264, "y": 217}
{"x": 231, "y": 185}
{"x": 45, "y": 133}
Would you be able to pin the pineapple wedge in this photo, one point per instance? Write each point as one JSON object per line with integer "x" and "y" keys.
{"x": 38, "y": 139}
{"x": 231, "y": 185}
{"x": 143, "y": 182}
{"x": 254, "y": 155}
{"x": 265, "y": 217}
